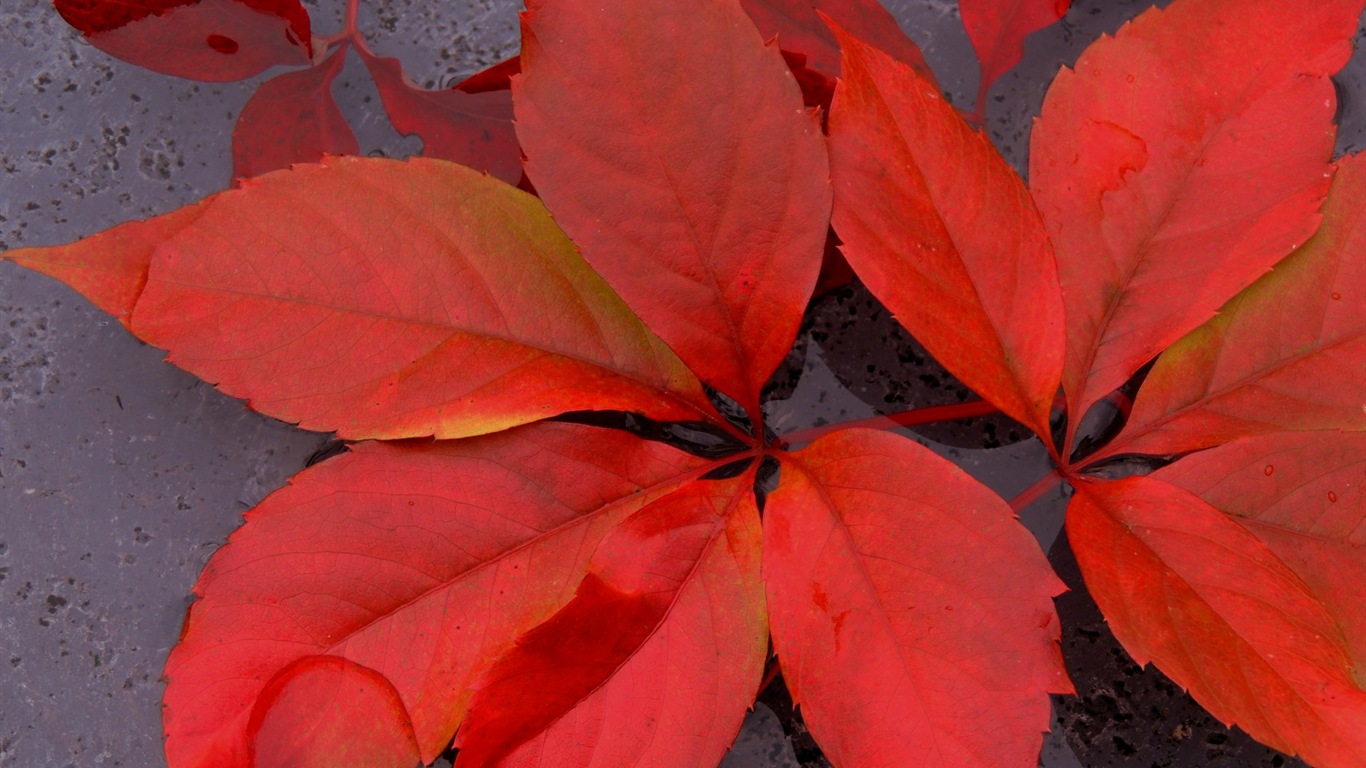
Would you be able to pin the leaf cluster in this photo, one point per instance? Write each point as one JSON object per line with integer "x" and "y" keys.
{"x": 491, "y": 567}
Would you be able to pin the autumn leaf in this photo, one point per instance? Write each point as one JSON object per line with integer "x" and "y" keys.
{"x": 471, "y": 127}
{"x": 1217, "y": 605}
{"x": 667, "y": 627}
{"x": 913, "y": 184}
{"x": 292, "y": 118}
{"x": 457, "y": 547}
{"x": 798, "y": 27}
{"x": 708, "y": 200}
{"x": 397, "y": 300}
{"x": 213, "y": 40}
{"x": 997, "y": 29}
{"x": 873, "y": 560}
{"x": 1169, "y": 178}
{"x": 554, "y": 594}
{"x": 1285, "y": 354}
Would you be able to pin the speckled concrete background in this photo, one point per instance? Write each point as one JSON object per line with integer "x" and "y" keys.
{"x": 119, "y": 475}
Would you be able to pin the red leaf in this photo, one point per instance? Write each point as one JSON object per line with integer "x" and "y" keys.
{"x": 323, "y": 711}
{"x": 656, "y": 659}
{"x": 497, "y": 77}
{"x": 998, "y": 28}
{"x": 110, "y": 268}
{"x": 387, "y": 273}
{"x": 798, "y": 27}
{"x": 944, "y": 233}
{"x": 1287, "y": 353}
{"x": 1305, "y": 496}
{"x": 895, "y": 640}
{"x": 292, "y": 118}
{"x": 470, "y": 128}
{"x": 1169, "y": 176}
{"x": 418, "y": 562}
{"x": 683, "y": 164}
{"x": 213, "y": 40}
{"x": 1216, "y": 609}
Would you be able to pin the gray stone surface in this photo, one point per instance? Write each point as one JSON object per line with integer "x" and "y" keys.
{"x": 120, "y": 475}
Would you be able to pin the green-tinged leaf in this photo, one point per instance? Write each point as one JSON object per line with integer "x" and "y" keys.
{"x": 378, "y": 298}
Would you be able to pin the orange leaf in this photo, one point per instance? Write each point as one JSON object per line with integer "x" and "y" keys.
{"x": 395, "y": 300}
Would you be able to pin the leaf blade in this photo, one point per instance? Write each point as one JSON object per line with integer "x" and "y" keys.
{"x": 1288, "y": 353}
{"x": 1150, "y": 166}
{"x": 292, "y": 118}
{"x": 209, "y": 40}
{"x": 1207, "y": 601}
{"x": 998, "y": 28}
{"x": 873, "y": 598}
{"x": 654, "y": 661}
{"x": 682, "y": 163}
{"x": 983, "y": 299}
{"x": 513, "y": 515}
{"x": 397, "y": 300}
{"x": 473, "y": 129}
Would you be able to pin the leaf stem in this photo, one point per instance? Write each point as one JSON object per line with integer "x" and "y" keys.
{"x": 350, "y": 31}
{"x": 909, "y": 418}
{"x": 1038, "y": 488}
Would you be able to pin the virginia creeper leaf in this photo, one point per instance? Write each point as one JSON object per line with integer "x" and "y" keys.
{"x": 685, "y": 167}
{"x": 1305, "y": 496}
{"x": 473, "y": 129}
{"x": 799, "y": 29}
{"x": 656, "y": 659}
{"x": 300, "y": 721}
{"x": 1168, "y": 173}
{"x": 998, "y": 28}
{"x": 212, "y": 40}
{"x": 420, "y": 562}
{"x": 945, "y": 234}
{"x": 497, "y": 77}
{"x": 292, "y": 118}
{"x": 396, "y": 299}
{"x": 1206, "y": 599}
{"x": 1287, "y": 353}
{"x": 110, "y": 268}
{"x": 910, "y": 610}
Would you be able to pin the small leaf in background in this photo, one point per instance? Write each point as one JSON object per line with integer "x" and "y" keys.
{"x": 470, "y": 127}
{"x": 703, "y": 199}
{"x": 419, "y": 562}
{"x": 945, "y": 234}
{"x": 212, "y": 40}
{"x": 497, "y": 77}
{"x": 799, "y": 29}
{"x": 292, "y": 118}
{"x": 1216, "y": 607}
{"x": 656, "y": 659}
{"x": 423, "y": 274}
{"x": 997, "y": 29}
{"x": 1287, "y": 353}
{"x": 1171, "y": 177}
{"x": 911, "y": 612}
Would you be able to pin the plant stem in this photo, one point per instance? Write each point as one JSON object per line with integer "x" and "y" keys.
{"x": 893, "y": 420}
{"x": 1032, "y": 493}
{"x": 350, "y": 31}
